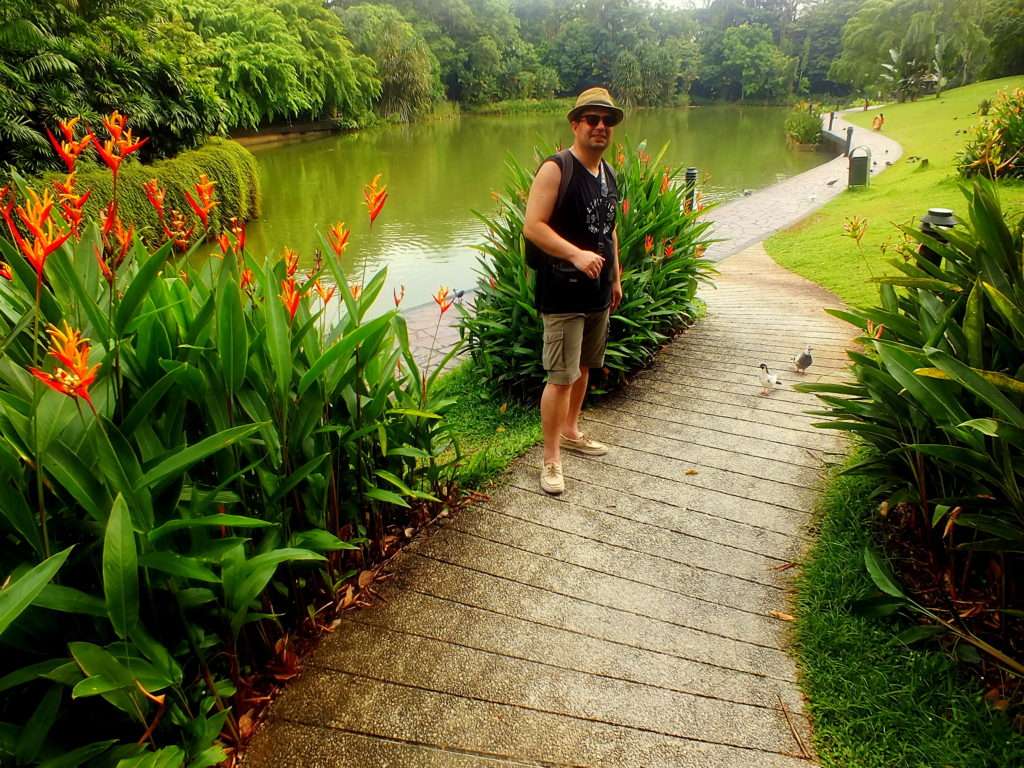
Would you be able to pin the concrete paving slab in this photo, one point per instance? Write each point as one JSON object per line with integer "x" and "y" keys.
{"x": 421, "y": 615}
{"x": 555, "y": 574}
{"x": 624, "y": 626}
{"x": 751, "y": 594}
{"x": 629, "y": 535}
{"x": 418, "y": 662}
{"x": 694, "y": 523}
{"x": 353, "y": 703}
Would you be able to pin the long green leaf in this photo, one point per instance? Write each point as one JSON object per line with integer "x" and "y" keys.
{"x": 180, "y": 461}
{"x": 121, "y": 570}
{"x": 974, "y": 326}
{"x": 140, "y": 286}
{"x": 880, "y": 574}
{"x": 33, "y": 735}
{"x": 232, "y": 336}
{"x": 209, "y": 521}
{"x": 278, "y": 342}
{"x": 342, "y": 350}
{"x": 18, "y": 596}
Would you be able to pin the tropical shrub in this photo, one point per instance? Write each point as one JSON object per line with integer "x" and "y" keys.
{"x": 939, "y": 393}
{"x": 226, "y": 163}
{"x": 996, "y": 145}
{"x": 803, "y": 125}
{"x": 660, "y": 243}
{"x": 193, "y": 457}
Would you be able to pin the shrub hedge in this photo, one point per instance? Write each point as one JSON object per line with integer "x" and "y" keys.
{"x": 226, "y": 162}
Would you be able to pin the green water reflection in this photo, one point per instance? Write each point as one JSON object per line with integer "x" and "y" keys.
{"x": 438, "y": 173}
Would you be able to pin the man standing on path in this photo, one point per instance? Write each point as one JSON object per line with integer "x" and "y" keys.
{"x": 578, "y": 283}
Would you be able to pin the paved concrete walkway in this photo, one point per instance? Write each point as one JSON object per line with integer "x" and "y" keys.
{"x": 638, "y": 620}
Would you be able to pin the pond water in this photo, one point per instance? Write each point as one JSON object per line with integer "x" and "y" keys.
{"x": 439, "y": 172}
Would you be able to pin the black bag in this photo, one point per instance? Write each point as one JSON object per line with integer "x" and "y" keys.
{"x": 535, "y": 257}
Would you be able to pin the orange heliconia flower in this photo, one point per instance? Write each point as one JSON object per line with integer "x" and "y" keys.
{"x": 669, "y": 250}
{"x": 337, "y": 236}
{"x": 356, "y": 289}
{"x": 68, "y": 149}
{"x": 5, "y": 271}
{"x": 325, "y": 293}
{"x": 643, "y": 157}
{"x": 156, "y": 196}
{"x": 73, "y": 376}
{"x": 625, "y": 206}
{"x": 178, "y": 232}
{"x": 398, "y": 295}
{"x": 665, "y": 180}
{"x": 648, "y": 244}
{"x": 116, "y": 242}
{"x": 375, "y": 197}
{"x": 224, "y": 242}
{"x": 290, "y": 296}
{"x": 120, "y": 144}
{"x": 246, "y": 280}
{"x": 291, "y": 262}
{"x": 238, "y": 230}
{"x": 43, "y": 239}
{"x": 204, "y": 191}
{"x": 493, "y": 283}
{"x": 71, "y": 205}
{"x": 443, "y": 300}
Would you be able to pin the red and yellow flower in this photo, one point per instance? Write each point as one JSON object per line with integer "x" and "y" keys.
{"x": 443, "y": 299}
{"x": 206, "y": 203}
{"x": 68, "y": 149}
{"x": 290, "y": 296}
{"x": 246, "y": 279}
{"x": 73, "y": 375}
{"x": 238, "y": 230}
{"x": 291, "y": 262}
{"x": 356, "y": 289}
{"x": 44, "y": 238}
{"x": 5, "y": 271}
{"x": 156, "y": 196}
{"x": 326, "y": 293}
{"x": 648, "y": 244}
{"x": 337, "y": 236}
{"x": 120, "y": 143}
{"x": 375, "y": 197}
{"x": 71, "y": 205}
{"x": 398, "y": 294}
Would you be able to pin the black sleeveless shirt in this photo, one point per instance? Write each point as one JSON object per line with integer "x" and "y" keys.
{"x": 586, "y": 218}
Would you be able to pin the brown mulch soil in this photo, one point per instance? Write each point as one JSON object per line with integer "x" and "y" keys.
{"x": 981, "y": 592}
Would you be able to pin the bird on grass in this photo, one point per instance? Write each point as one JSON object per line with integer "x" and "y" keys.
{"x": 803, "y": 361}
{"x": 768, "y": 379}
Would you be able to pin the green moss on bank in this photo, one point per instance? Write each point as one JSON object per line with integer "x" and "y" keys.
{"x": 522, "y": 106}
{"x": 875, "y": 702}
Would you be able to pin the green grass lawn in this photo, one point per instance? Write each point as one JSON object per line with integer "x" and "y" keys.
{"x": 875, "y": 702}
{"x": 817, "y": 249}
{"x": 491, "y": 433}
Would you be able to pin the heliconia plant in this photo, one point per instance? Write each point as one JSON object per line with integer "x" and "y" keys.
{"x": 938, "y": 392}
{"x": 193, "y": 458}
{"x": 661, "y": 242}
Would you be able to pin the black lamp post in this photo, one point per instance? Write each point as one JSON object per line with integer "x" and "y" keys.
{"x": 933, "y": 224}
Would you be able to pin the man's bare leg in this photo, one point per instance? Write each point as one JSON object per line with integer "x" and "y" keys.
{"x": 571, "y": 425}
{"x": 554, "y": 406}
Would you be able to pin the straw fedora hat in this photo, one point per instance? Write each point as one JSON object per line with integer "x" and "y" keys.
{"x": 595, "y": 97}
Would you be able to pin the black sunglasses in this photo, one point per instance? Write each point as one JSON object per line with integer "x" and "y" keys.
{"x": 594, "y": 120}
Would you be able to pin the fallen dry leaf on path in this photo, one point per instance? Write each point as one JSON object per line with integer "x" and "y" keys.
{"x": 781, "y": 616}
{"x": 366, "y": 578}
{"x": 692, "y": 472}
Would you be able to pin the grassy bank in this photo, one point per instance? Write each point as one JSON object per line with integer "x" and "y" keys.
{"x": 521, "y": 106}
{"x": 875, "y": 702}
{"x": 932, "y": 129}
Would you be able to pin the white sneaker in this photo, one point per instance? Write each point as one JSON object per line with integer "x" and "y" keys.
{"x": 551, "y": 480}
{"x": 584, "y": 445}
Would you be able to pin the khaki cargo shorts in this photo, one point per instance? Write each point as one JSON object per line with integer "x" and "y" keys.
{"x": 572, "y": 340}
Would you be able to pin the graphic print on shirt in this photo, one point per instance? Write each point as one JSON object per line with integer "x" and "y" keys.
{"x": 599, "y": 222}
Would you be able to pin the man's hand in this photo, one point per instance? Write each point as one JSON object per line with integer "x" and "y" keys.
{"x": 589, "y": 263}
{"x": 616, "y": 294}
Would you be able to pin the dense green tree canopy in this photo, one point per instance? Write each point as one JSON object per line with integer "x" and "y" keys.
{"x": 409, "y": 73}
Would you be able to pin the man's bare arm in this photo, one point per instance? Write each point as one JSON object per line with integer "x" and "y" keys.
{"x": 539, "y": 207}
